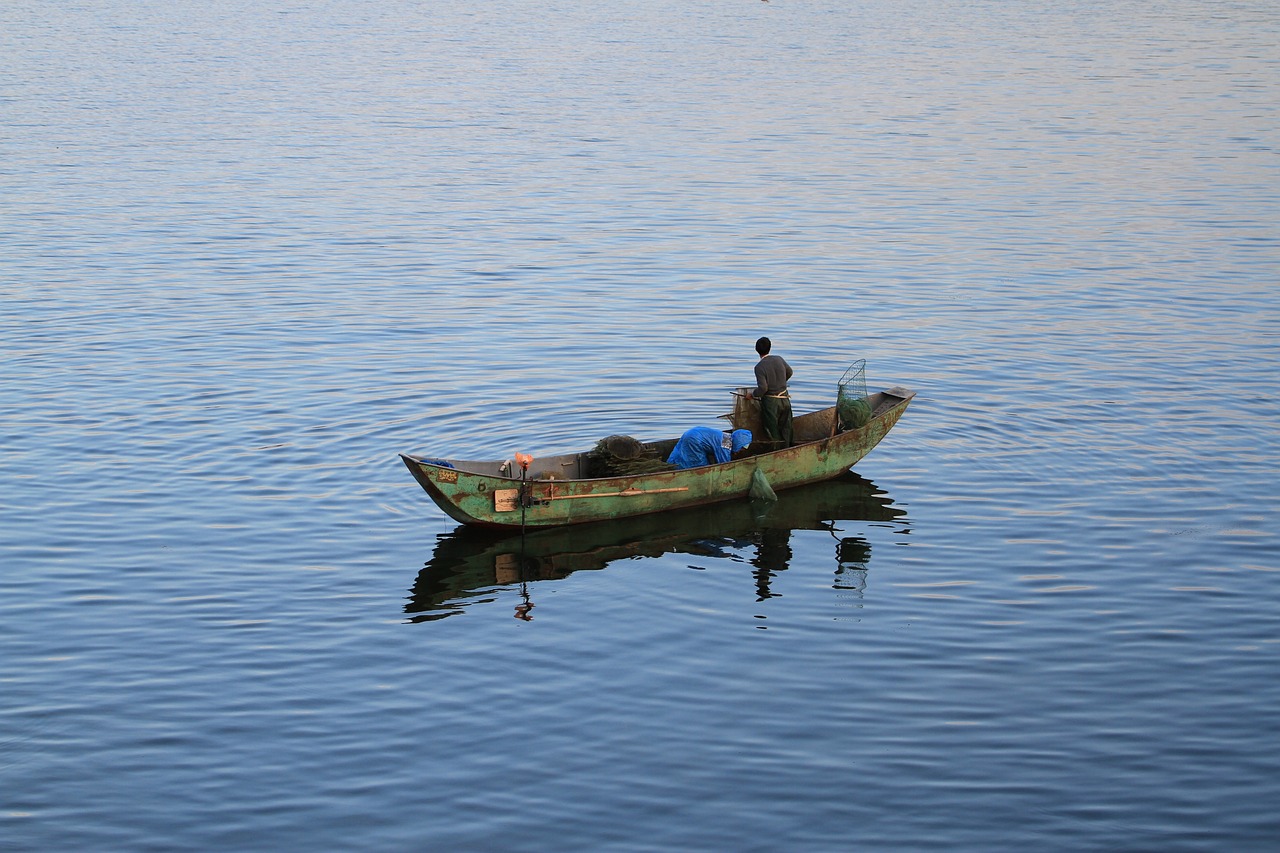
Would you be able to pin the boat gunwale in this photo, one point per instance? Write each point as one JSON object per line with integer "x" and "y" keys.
{"x": 900, "y": 396}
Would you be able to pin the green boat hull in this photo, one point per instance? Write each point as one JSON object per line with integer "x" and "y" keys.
{"x": 485, "y": 494}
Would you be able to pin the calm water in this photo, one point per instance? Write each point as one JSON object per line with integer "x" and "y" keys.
{"x": 250, "y": 252}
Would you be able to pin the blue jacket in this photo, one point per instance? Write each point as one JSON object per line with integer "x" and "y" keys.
{"x": 700, "y": 445}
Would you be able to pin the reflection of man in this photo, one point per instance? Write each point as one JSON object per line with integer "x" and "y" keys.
{"x": 773, "y": 554}
{"x": 772, "y": 373}
{"x": 707, "y": 446}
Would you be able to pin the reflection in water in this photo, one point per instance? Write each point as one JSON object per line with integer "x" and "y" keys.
{"x": 773, "y": 554}
{"x": 469, "y": 565}
{"x": 852, "y": 556}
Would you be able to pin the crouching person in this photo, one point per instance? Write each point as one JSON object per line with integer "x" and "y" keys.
{"x": 708, "y": 446}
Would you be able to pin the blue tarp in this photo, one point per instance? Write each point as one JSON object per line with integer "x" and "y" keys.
{"x": 698, "y": 446}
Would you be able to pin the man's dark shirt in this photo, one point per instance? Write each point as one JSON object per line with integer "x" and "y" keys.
{"x": 772, "y": 374}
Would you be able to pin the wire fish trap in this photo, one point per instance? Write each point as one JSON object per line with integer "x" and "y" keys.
{"x": 852, "y": 407}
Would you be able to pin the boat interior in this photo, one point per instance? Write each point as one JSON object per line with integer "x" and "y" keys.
{"x": 808, "y": 427}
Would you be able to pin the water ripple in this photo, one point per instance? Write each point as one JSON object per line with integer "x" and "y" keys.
{"x": 253, "y": 252}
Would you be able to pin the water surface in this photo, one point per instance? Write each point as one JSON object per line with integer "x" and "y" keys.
{"x": 251, "y": 252}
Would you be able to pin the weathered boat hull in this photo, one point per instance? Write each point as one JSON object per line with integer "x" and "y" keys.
{"x": 481, "y": 494}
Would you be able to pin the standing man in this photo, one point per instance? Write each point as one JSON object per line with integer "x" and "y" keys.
{"x": 772, "y": 373}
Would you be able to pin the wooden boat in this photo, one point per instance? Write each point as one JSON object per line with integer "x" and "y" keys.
{"x": 560, "y": 490}
{"x": 471, "y": 565}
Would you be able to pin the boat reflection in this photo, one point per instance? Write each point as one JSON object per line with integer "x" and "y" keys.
{"x": 471, "y": 565}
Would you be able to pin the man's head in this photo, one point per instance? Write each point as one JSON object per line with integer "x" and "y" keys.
{"x": 762, "y": 346}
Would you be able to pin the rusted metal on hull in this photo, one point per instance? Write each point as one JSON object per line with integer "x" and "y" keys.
{"x": 494, "y": 500}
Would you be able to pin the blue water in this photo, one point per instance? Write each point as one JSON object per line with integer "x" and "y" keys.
{"x": 250, "y": 252}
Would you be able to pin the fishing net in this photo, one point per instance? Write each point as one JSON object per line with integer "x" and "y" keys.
{"x": 621, "y": 456}
{"x": 622, "y": 447}
{"x": 852, "y": 407}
